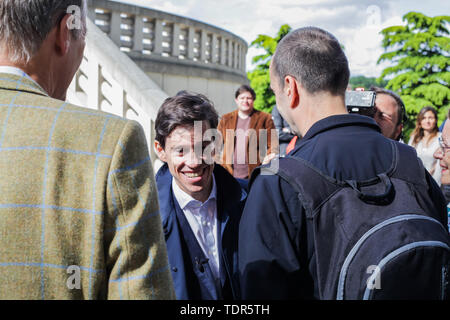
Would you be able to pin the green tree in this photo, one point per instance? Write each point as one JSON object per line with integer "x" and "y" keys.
{"x": 420, "y": 63}
{"x": 366, "y": 82}
{"x": 259, "y": 77}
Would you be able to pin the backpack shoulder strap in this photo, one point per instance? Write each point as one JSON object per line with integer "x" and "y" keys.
{"x": 408, "y": 166}
{"x": 313, "y": 187}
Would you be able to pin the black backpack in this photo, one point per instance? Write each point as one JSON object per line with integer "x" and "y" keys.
{"x": 376, "y": 239}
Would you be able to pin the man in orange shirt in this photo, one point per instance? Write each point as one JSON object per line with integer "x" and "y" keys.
{"x": 249, "y": 136}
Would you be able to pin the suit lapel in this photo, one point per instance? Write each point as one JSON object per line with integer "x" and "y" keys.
{"x": 222, "y": 218}
{"x": 253, "y": 135}
{"x": 253, "y": 119}
{"x": 230, "y": 139}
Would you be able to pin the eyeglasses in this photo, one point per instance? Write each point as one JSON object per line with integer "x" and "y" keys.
{"x": 442, "y": 144}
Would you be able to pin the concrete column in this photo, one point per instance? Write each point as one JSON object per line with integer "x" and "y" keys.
{"x": 230, "y": 53}
{"x": 190, "y": 43}
{"x": 203, "y": 47}
{"x": 214, "y": 49}
{"x": 243, "y": 57}
{"x": 223, "y": 57}
{"x": 176, "y": 40}
{"x": 114, "y": 25}
{"x": 152, "y": 137}
{"x": 236, "y": 55}
{"x": 94, "y": 95}
{"x": 138, "y": 34}
{"x": 157, "y": 39}
{"x": 123, "y": 96}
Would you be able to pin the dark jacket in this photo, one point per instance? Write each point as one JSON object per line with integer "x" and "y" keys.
{"x": 276, "y": 253}
{"x": 192, "y": 278}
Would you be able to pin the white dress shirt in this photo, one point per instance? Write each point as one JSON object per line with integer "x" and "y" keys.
{"x": 15, "y": 71}
{"x": 202, "y": 218}
{"x": 425, "y": 153}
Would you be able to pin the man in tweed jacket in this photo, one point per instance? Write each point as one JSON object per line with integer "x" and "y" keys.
{"x": 79, "y": 217}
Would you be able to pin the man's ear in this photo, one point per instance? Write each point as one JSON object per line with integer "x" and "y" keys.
{"x": 160, "y": 151}
{"x": 292, "y": 91}
{"x": 63, "y": 36}
{"x": 398, "y": 130}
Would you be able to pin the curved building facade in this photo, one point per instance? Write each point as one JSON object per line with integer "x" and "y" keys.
{"x": 176, "y": 52}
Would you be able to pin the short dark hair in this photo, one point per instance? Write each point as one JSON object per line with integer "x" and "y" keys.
{"x": 315, "y": 58}
{"x": 402, "y": 116}
{"x": 183, "y": 109}
{"x": 245, "y": 88}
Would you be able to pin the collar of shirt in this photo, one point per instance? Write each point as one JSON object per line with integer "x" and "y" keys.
{"x": 340, "y": 120}
{"x": 17, "y": 72}
{"x": 185, "y": 200}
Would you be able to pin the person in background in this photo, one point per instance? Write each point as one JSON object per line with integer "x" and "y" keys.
{"x": 390, "y": 113}
{"x": 201, "y": 203}
{"x": 242, "y": 131}
{"x": 425, "y": 139}
{"x": 78, "y": 203}
{"x": 285, "y": 134}
{"x": 443, "y": 155}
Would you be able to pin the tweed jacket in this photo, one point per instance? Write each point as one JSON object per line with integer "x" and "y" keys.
{"x": 258, "y": 120}
{"x": 79, "y": 214}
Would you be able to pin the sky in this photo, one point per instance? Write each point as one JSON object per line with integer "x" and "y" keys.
{"x": 356, "y": 24}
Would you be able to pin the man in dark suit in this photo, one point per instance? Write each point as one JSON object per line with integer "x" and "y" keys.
{"x": 201, "y": 203}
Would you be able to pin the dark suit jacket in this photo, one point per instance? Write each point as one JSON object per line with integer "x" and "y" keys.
{"x": 192, "y": 280}
{"x": 258, "y": 120}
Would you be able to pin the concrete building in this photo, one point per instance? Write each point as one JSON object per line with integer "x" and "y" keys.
{"x": 135, "y": 57}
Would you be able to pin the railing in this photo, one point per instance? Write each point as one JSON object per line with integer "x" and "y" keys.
{"x": 110, "y": 81}
{"x": 152, "y": 33}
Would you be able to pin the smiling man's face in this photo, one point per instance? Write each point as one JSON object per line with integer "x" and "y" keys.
{"x": 191, "y": 172}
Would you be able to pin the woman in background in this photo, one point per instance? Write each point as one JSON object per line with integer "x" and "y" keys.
{"x": 425, "y": 139}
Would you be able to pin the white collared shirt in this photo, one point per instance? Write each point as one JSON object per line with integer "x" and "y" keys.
{"x": 17, "y": 72}
{"x": 202, "y": 218}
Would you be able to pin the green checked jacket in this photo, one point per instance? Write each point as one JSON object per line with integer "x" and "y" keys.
{"x": 79, "y": 215}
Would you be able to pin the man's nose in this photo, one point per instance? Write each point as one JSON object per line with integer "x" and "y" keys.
{"x": 438, "y": 154}
{"x": 195, "y": 158}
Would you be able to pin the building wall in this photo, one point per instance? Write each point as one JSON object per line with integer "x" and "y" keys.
{"x": 220, "y": 92}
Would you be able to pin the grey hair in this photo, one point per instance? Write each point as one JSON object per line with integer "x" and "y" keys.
{"x": 24, "y": 24}
{"x": 315, "y": 58}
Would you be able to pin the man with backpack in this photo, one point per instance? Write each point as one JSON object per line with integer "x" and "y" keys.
{"x": 349, "y": 214}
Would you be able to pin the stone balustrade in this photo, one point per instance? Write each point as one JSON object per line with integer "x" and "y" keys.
{"x": 151, "y": 34}
{"x": 108, "y": 80}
